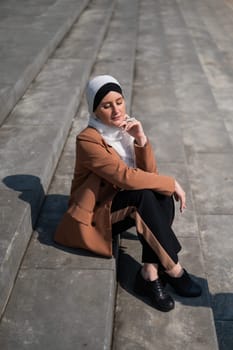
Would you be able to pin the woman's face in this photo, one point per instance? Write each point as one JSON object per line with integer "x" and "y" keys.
{"x": 111, "y": 110}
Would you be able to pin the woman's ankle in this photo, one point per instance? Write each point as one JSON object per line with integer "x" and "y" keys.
{"x": 176, "y": 272}
{"x": 150, "y": 272}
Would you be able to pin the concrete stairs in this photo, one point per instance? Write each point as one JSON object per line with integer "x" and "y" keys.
{"x": 57, "y": 298}
{"x": 33, "y": 134}
{"x": 30, "y": 32}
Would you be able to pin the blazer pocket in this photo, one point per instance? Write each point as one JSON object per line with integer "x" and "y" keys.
{"x": 80, "y": 214}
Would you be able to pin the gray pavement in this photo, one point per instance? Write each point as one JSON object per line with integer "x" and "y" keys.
{"x": 33, "y": 136}
{"x": 174, "y": 59}
{"x": 29, "y": 33}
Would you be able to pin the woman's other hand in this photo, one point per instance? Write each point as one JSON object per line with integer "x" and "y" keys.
{"x": 135, "y": 129}
{"x": 179, "y": 195}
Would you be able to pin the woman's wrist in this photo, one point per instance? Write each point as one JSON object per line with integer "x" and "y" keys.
{"x": 141, "y": 140}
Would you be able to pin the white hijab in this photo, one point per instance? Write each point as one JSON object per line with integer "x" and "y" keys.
{"x": 120, "y": 140}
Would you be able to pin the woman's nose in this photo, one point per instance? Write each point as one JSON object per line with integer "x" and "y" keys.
{"x": 115, "y": 109}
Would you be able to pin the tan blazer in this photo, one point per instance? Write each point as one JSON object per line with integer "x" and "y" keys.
{"x": 99, "y": 174}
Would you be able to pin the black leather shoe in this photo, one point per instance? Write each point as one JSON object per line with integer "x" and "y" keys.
{"x": 184, "y": 285}
{"x": 160, "y": 299}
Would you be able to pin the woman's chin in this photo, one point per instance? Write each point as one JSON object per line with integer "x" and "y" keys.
{"x": 117, "y": 123}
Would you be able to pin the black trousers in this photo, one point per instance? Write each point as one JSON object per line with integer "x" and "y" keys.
{"x": 152, "y": 214}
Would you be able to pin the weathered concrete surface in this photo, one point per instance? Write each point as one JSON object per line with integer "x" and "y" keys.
{"x": 32, "y": 139}
{"x": 210, "y": 157}
{"x": 73, "y": 296}
{"x": 182, "y": 92}
{"x": 59, "y": 312}
{"x": 29, "y": 33}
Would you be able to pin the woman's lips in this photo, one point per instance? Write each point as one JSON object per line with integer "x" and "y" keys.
{"x": 116, "y": 118}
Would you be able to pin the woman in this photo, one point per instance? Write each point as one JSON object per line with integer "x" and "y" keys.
{"x": 116, "y": 185}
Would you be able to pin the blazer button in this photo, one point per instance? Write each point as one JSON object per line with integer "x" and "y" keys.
{"x": 93, "y": 224}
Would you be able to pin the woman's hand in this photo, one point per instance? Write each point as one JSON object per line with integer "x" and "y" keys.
{"x": 135, "y": 129}
{"x": 179, "y": 195}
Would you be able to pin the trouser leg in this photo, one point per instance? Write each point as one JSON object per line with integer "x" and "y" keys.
{"x": 152, "y": 213}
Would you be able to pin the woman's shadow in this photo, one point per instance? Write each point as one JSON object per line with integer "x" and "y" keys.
{"x": 29, "y": 189}
{"x": 46, "y": 211}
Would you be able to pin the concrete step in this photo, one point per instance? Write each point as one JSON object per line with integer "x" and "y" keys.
{"x": 33, "y": 136}
{"x": 184, "y": 78}
{"x": 64, "y": 298}
{"x": 29, "y": 33}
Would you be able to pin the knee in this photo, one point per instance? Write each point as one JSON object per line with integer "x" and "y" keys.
{"x": 146, "y": 195}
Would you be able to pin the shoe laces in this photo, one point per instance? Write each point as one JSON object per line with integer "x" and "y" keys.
{"x": 159, "y": 289}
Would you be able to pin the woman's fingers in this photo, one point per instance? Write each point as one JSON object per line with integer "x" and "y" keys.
{"x": 126, "y": 122}
{"x": 134, "y": 128}
{"x": 182, "y": 204}
{"x": 180, "y": 195}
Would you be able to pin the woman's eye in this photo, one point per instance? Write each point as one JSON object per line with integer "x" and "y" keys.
{"x": 109, "y": 105}
{"x": 106, "y": 106}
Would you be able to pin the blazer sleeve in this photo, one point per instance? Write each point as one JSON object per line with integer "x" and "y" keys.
{"x": 106, "y": 163}
{"x": 145, "y": 158}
